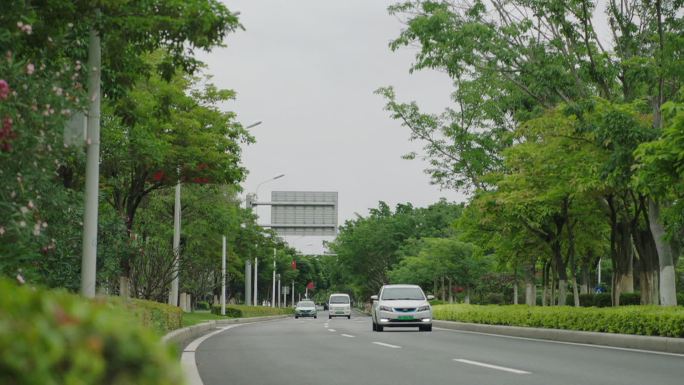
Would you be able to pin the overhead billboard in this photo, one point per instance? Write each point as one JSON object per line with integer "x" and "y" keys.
{"x": 304, "y": 212}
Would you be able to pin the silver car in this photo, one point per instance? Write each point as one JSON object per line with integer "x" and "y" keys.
{"x": 306, "y": 309}
{"x": 401, "y": 306}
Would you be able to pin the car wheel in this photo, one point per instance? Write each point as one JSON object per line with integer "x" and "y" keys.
{"x": 428, "y": 328}
{"x": 315, "y": 317}
{"x": 379, "y": 328}
{"x": 329, "y": 317}
{"x": 296, "y": 317}
{"x": 349, "y": 316}
{"x": 375, "y": 327}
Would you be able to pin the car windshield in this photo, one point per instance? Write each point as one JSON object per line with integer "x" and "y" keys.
{"x": 405, "y": 293}
{"x": 306, "y": 304}
{"x": 339, "y": 299}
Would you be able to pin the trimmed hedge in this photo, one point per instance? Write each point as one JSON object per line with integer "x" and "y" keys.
{"x": 244, "y": 311}
{"x": 605, "y": 299}
{"x": 53, "y": 337}
{"x": 642, "y": 320}
{"x": 160, "y": 317}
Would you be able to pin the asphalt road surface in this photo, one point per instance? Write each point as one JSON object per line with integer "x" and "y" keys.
{"x": 342, "y": 351}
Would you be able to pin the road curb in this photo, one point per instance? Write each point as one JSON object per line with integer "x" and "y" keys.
{"x": 627, "y": 341}
{"x": 182, "y": 337}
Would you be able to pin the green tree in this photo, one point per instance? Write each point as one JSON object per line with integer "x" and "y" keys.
{"x": 510, "y": 60}
{"x": 161, "y": 133}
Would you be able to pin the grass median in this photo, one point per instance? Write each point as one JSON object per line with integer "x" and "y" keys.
{"x": 638, "y": 320}
{"x": 233, "y": 311}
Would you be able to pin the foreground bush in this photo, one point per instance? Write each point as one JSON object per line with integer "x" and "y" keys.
{"x": 59, "y": 338}
{"x": 243, "y": 311}
{"x": 157, "y": 316}
{"x": 643, "y": 320}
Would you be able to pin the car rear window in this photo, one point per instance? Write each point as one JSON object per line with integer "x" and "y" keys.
{"x": 339, "y": 299}
{"x": 306, "y": 304}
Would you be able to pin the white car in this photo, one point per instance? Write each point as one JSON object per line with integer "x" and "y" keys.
{"x": 401, "y": 306}
{"x": 339, "y": 305}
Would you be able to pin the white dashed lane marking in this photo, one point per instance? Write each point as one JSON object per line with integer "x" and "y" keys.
{"x": 387, "y": 345}
{"x": 490, "y": 366}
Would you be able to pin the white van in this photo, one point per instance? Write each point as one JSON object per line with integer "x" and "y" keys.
{"x": 339, "y": 305}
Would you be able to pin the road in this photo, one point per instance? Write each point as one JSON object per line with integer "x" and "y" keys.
{"x": 342, "y": 351}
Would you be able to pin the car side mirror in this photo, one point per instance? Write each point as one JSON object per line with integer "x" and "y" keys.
{"x": 430, "y": 297}
{"x": 374, "y": 297}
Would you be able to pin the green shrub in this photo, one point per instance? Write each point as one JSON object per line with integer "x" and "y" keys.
{"x": 230, "y": 311}
{"x": 243, "y": 311}
{"x": 643, "y": 320}
{"x": 437, "y": 302}
{"x": 494, "y": 299}
{"x": 630, "y": 299}
{"x": 53, "y": 337}
{"x": 587, "y": 300}
{"x": 680, "y": 299}
{"x": 202, "y": 305}
{"x": 160, "y": 317}
{"x": 603, "y": 300}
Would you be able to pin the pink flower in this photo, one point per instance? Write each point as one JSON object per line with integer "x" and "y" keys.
{"x": 30, "y": 68}
{"x": 4, "y": 89}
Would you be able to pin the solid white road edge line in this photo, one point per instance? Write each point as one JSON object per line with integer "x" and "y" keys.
{"x": 332, "y": 330}
{"x": 347, "y": 335}
{"x": 387, "y": 345}
{"x": 565, "y": 343}
{"x": 490, "y": 366}
{"x": 188, "y": 364}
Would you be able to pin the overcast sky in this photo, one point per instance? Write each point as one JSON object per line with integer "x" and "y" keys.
{"x": 308, "y": 70}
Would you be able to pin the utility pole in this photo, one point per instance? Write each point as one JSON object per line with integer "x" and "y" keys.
{"x": 223, "y": 278}
{"x": 248, "y": 282}
{"x": 292, "y": 293}
{"x": 273, "y": 295}
{"x": 173, "y": 294}
{"x": 92, "y": 180}
{"x": 256, "y": 276}
{"x": 278, "y": 290}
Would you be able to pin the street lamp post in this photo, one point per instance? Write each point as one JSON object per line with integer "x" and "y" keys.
{"x": 256, "y": 192}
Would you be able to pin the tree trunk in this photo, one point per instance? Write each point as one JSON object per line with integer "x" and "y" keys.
{"x": 584, "y": 279}
{"x": 515, "y": 293}
{"x": 571, "y": 259}
{"x": 545, "y": 284}
{"x": 467, "y": 295}
{"x": 668, "y": 293}
{"x": 451, "y": 291}
{"x": 561, "y": 272}
{"x": 553, "y": 299}
{"x": 530, "y": 288}
{"x": 443, "y": 290}
{"x": 649, "y": 287}
{"x": 124, "y": 287}
{"x": 623, "y": 262}
{"x": 648, "y": 262}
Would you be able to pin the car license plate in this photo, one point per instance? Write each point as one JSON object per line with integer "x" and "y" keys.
{"x": 339, "y": 312}
{"x": 405, "y": 317}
